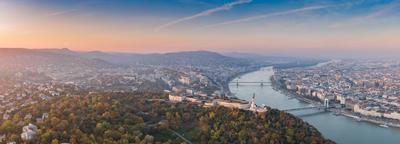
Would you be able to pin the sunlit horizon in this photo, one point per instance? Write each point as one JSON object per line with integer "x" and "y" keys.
{"x": 200, "y": 71}
{"x": 251, "y": 26}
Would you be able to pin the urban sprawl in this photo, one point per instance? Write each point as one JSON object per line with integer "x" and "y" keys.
{"x": 363, "y": 89}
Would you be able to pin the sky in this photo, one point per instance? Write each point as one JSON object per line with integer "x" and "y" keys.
{"x": 291, "y": 27}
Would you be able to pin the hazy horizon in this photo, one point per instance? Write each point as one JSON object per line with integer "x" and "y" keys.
{"x": 303, "y": 28}
{"x": 328, "y": 55}
{"x": 200, "y": 71}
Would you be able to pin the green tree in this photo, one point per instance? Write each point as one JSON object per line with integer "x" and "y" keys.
{"x": 55, "y": 141}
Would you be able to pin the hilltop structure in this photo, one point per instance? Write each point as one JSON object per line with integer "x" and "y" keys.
{"x": 254, "y": 107}
{"x": 230, "y": 103}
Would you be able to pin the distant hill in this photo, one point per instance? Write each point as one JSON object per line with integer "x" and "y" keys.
{"x": 19, "y": 57}
{"x": 22, "y": 58}
{"x": 199, "y": 58}
{"x": 244, "y": 55}
{"x": 277, "y": 61}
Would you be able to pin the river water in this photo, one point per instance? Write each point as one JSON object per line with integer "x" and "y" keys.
{"x": 340, "y": 129}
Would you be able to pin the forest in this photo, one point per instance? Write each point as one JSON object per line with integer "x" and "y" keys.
{"x": 143, "y": 117}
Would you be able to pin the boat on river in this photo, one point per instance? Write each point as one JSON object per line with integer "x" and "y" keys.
{"x": 358, "y": 118}
{"x": 337, "y": 113}
{"x": 384, "y": 125}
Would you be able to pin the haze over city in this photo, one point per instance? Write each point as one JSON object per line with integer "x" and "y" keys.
{"x": 289, "y": 27}
{"x": 199, "y": 71}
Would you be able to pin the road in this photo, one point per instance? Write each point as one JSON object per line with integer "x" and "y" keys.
{"x": 179, "y": 135}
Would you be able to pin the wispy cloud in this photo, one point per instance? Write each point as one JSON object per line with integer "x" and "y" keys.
{"x": 78, "y": 6}
{"x": 208, "y": 12}
{"x": 252, "y": 18}
{"x": 196, "y": 2}
{"x": 364, "y": 19}
{"x": 62, "y": 12}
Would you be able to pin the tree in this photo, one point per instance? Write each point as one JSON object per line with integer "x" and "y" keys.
{"x": 129, "y": 118}
{"x": 7, "y": 126}
{"x": 55, "y": 141}
{"x": 14, "y": 137}
{"x": 242, "y": 136}
{"x": 148, "y": 139}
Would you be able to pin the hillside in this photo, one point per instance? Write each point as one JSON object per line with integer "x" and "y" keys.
{"x": 32, "y": 57}
{"x": 132, "y": 118}
{"x": 197, "y": 58}
{"x": 18, "y": 58}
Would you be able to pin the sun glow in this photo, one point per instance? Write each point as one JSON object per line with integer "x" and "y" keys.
{"x": 81, "y": 27}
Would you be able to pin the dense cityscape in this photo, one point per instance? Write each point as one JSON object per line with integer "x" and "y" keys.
{"x": 199, "y": 72}
{"x": 366, "y": 88}
{"x": 53, "y": 74}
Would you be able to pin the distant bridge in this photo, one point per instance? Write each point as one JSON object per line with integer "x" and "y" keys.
{"x": 305, "y": 108}
{"x": 324, "y": 107}
{"x": 262, "y": 83}
{"x": 253, "y": 82}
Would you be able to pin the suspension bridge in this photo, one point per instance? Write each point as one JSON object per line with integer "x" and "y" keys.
{"x": 261, "y": 83}
{"x": 324, "y": 107}
{"x": 305, "y": 108}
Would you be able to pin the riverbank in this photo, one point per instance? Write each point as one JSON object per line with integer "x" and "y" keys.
{"x": 314, "y": 102}
{"x": 225, "y": 85}
{"x": 342, "y": 111}
{"x": 341, "y": 129}
{"x": 238, "y": 75}
{"x": 370, "y": 120}
{"x": 279, "y": 88}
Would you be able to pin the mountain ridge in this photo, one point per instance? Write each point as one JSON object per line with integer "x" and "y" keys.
{"x": 173, "y": 58}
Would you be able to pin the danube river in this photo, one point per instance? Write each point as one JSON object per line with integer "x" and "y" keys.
{"x": 340, "y": 129}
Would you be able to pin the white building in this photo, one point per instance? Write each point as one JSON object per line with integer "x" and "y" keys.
{"x": 210, "y": 104}
{"x": 341, "y": 99}
{"x": 176, "y": 98}
{"x": 45, "y": 116}
{"x": 28, "y": 116}
{"x": 6, "y": 116}
{"x": 393, "y": 115}
{"x": 185, "y": 80}
{"x": 28, "y": 132}
{"x": 191, "y": 99}
{"x": 2, "y": 138}
{"x": 362, "y": 111}
{"x": 231, "y": 104}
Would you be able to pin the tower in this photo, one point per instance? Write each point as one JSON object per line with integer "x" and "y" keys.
{"x": 326, "y": 103}
{"x": 253, "y": 106}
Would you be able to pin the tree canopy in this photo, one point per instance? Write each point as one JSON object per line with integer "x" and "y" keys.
{"x": 143, "y": 117}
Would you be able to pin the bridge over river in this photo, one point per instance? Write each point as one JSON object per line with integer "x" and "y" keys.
{"x": 340, "y": 129}
{"x": 306, "y": 108}
{"x": 261, "y": 83}
{"x": 324, "y": 108}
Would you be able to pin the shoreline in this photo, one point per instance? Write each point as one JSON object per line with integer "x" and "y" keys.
{"x": 369, "y": 120}
{"x": 344, "y": 113}
{"x": 231, "y": 78}
{"x": 314, "y": 102}
{"x": 225, "y": 85}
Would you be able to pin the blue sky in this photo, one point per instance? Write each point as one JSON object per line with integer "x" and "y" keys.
{"x": 219, "y": 25}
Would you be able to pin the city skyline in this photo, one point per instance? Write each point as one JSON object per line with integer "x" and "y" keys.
{"x": 200, "y": 71}
{"x": 251, "y": 26}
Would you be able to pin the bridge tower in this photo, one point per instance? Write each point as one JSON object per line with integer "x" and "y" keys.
{"x": 326, "y": 103}
{"x": 237, "y": 83}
